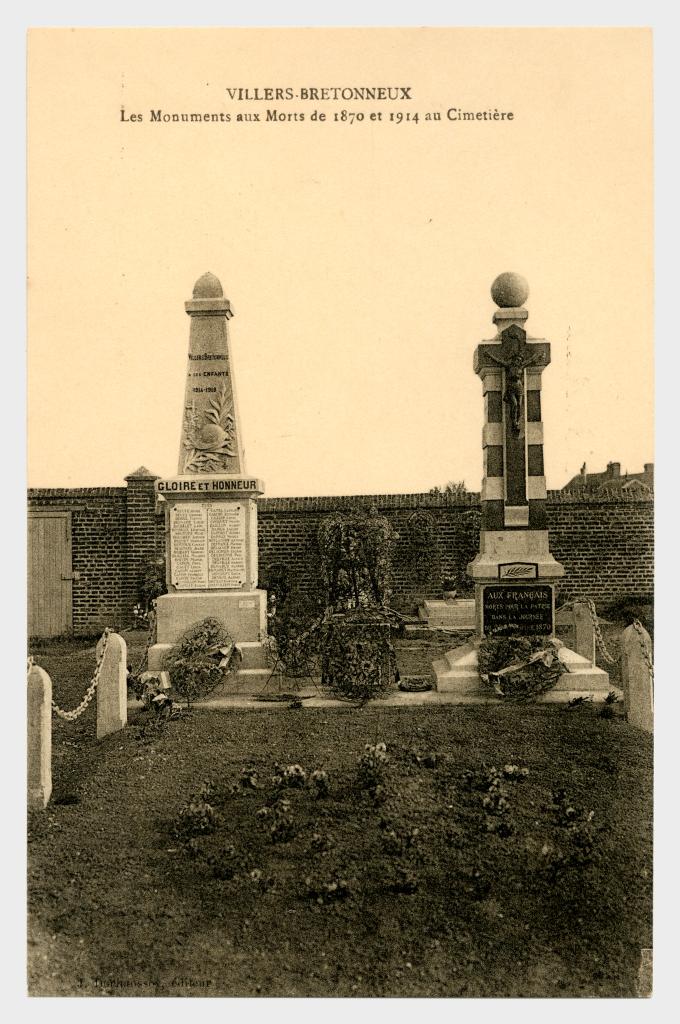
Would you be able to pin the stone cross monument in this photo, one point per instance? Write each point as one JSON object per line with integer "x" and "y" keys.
{"x": 210, "y": 506}
{"x": 514, "y": 572}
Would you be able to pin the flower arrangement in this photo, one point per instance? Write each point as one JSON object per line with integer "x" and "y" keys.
{"x": 519, "y": 667}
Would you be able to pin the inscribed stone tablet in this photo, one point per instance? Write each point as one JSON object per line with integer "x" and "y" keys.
{"x": 519, "y": 610}
{"x": 188, "y": 547}
{"x": 226, "y": 545}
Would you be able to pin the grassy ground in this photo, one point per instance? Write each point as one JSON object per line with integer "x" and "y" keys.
{"x": 120, "y": 905}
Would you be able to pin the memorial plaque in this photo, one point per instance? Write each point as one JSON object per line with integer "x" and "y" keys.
{"x": 208, "y": 546}
{"x": 189, "y": 547}
{"x": 226, "y": 545}
{"x": 517, "y": 610}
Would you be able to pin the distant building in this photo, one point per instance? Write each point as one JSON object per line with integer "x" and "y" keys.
{"x": 611, "y": 480}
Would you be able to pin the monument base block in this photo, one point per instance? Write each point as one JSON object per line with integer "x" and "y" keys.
{"x": 243, "y": 613}
{"x": 458, "y": 673}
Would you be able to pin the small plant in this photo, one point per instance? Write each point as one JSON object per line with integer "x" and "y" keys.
{"x": 609, "y": 703}
{"x": 260, "y": 881}
{"x": 223, "y": 864}
{"x": 491, "y": 784}
{"x": 403, "y": 881}
{"x": 320, "y": 782}
{"x": 140, "y": 617}
{"x": 371, "y": 767}
{"x": 574, "y": 845}
{"x": 201, "y": 659}
{"x": 324, "y": 892}
{"x": 291, "y": 776}
{"x": 578, "y": 702}
{"x": 321, "y": 843}
{"x": 398, "y": 842}
{"x": 197, "y": 817}
{"x": 248, "y": 778}
{"x": 282, "y": 829}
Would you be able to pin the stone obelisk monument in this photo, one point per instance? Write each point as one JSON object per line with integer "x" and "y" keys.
{"x": 514, "y": 573}
{"x": 210, "y": 506}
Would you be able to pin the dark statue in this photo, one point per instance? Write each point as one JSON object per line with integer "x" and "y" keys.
{"x": 514, "y": 383}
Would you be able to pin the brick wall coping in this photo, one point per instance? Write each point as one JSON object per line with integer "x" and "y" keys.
{"x": 75, "y": 492}
{"x": 322, "y": 503}
{"x": 329, "y": 503}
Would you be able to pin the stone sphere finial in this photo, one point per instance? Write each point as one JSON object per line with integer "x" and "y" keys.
{"x": 208, "y": 287}
{"x": 510, "y": 290}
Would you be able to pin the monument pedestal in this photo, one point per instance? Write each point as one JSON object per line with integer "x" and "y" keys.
{"x": 514, "y": 572}
{"x": 243, "y": 613}
{"x": 211, "y": 552}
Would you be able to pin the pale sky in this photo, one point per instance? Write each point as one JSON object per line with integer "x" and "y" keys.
{"x": 357, "y": 257}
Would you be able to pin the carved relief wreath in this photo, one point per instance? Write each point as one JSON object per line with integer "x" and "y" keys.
{"x": 210, "y": 436}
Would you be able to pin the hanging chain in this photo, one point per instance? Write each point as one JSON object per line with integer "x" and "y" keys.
{"x": 644, "y": 644}
{"x": 71, "y": 716}
{"x": 599, "y": 639}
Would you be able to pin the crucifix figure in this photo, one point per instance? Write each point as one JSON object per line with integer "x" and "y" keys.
{"x": 514, "y": 382}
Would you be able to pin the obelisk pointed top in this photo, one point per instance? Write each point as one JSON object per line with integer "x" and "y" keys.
{"x": 210, "y": 429}
{"x": 208, "y": 287}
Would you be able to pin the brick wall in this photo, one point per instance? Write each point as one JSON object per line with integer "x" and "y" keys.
{"x": 605, "y": 542}
{"x": 98, "y": 544}
{"x": 606, "y": 545}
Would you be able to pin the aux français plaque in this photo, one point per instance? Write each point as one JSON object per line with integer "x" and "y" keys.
{"x": 513, "y": 609}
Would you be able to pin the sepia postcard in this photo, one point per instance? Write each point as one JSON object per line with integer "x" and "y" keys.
{"x": 340, "y": 512}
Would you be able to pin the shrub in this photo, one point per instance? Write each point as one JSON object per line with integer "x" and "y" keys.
{"x": 152, "y": 582}
{"x": 355, "y": 550}
{"x": 632, "y": 606}
{"x": 199, "y": 662}
{"x": 292, "y": 623}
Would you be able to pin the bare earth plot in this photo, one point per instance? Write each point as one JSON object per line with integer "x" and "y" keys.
{"x": 426, "y": 875}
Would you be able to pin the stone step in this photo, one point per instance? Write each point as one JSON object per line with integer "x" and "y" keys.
{"x": 246, "y": 681}
{"x": 454, "y": 615}
{"x": 421, "y": 632}
{"x": 457, "y": 672}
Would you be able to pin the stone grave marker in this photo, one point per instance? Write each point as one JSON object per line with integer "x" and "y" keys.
{"x": 39, "y": 740}
{"x": 638, "y": 691}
